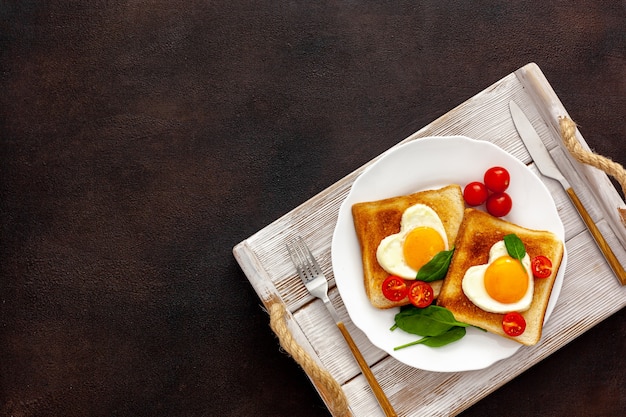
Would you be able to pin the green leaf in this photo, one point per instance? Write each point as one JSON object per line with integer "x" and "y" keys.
{"x": 436, "y": 268}
{"x": 430, "y": 321}
{"x": 515, "y": 248}
{"x": 450, "y": 336}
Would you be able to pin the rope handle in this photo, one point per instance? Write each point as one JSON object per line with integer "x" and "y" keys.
{"x": 612, "y": 168}
{"x": 329, "y": 388}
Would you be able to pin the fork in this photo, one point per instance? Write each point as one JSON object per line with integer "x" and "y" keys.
{"x": 315, "y": 282}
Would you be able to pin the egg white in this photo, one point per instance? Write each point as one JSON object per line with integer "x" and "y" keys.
{"x": 390, "y": 254}
{"x": 474, "y": 285}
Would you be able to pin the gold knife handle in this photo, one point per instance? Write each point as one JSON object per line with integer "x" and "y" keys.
{"x": 597, "y": 235}
{"x": 378, "y": 391}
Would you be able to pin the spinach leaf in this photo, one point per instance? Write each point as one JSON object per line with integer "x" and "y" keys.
{"x": 430, "y": 321}
{"x": 436, "y": 268}
{"x": 450, "y": 336}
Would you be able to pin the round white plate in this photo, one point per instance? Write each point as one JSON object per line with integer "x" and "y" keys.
{"x": 422, "y": 164}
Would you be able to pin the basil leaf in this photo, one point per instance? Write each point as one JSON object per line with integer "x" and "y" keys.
{"x": 514, "y": 246}
{"x": 450, "y": 336}
{"x": 430, "y": 321}
{"x": 436, "y": 268}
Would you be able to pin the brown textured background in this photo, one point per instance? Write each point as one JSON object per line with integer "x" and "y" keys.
{"x": 141, "y": 140}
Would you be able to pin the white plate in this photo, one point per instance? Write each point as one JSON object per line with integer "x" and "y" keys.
{"x": 422, "y": 164}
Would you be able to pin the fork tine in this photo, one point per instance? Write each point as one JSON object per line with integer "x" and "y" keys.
{"x": 292, "y": 254}
{"x": 295, "y": 252}
{"x": 312, "y": 261}
{"x": 303, "y": 259}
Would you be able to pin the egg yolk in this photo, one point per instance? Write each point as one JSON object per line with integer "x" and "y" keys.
{"x": 420, "y": 245}
{"x": 506, "y": 280}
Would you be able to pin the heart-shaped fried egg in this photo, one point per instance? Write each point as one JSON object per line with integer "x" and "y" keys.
{"x": 421, "y": 237}
{"x": 502, "y": 284}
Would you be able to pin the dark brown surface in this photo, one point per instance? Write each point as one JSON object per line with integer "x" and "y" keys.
{"x": 141, "y": 140}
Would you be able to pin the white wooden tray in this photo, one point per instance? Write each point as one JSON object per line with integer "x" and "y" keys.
{"x": 264, "y": 260}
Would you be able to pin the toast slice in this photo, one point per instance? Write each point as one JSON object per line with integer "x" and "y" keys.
{"x": 478, "y": 232}
{"x": 375, "y": 220}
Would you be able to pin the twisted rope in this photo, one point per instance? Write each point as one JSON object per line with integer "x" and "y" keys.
{"x": 329, "y": 388}
{"x": 612, "y": 168}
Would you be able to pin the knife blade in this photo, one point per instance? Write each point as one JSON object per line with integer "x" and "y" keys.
{"x": 545, "y": 164}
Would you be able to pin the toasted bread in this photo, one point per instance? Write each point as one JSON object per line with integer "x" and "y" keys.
{"x": 478, "y": 232}
{"x": 375, "y": 220}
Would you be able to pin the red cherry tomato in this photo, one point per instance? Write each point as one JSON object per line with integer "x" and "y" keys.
{"x": 394, "y": 288}
{"x": 499, "y": 204}
{"x": 421, "y": 294}
{"x": 475, "y": 193}
{"x": 513, "y": 324}
{"x": 497, "y": 179}
{"x": 541, "y": 266}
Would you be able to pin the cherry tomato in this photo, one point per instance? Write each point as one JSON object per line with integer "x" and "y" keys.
{"x": 541, "y": 266}
{"x": 499, "y": 204}
{"x": 421, "y": 294}
{"x": 394, "y": 288}
{"x": 475, "y": 193}
{"x": 497, "y": 179}
{"x": 513, "y": 324}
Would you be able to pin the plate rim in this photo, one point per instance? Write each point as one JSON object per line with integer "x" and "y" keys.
{"x": 558, "y": 229}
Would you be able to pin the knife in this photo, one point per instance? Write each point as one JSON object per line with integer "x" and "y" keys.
{"x": 544, "y": 162}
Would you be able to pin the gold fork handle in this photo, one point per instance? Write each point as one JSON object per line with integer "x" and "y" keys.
{"x": 597, "y": 235}
{"x": 378, "y": 391}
